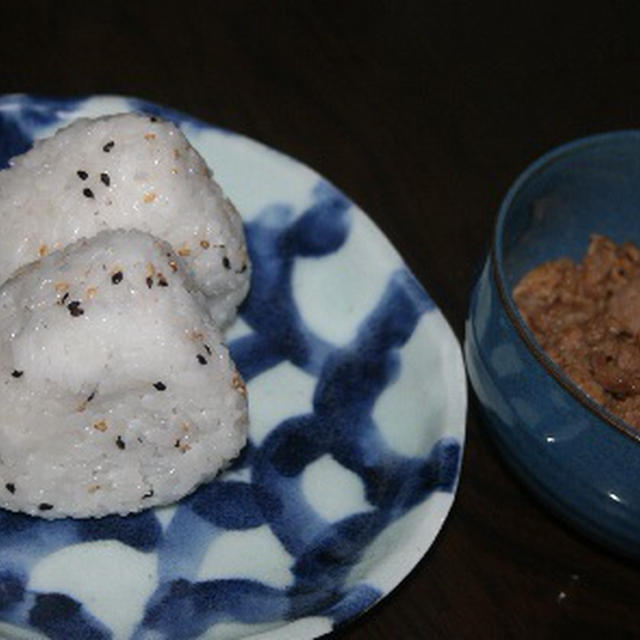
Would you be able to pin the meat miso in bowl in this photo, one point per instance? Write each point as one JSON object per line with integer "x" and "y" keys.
{"x": 586, "y": 316}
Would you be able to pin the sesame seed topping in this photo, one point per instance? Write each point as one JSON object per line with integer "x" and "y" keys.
{"x": 160, "y": 386}
{"x": 43, "y": 250}
{"x": 149, "y": 494}
{"x": 74, "y": 308}
{"x": 116, "y": 278}
{"x": 149, "y": 281}
{"x": 45, "y": 506}
{"x": 105, "y": 179}
{"x": 10, "y": 487}
{"x": 101, "y": 425}
{"x": 205, "y": 244}
{"x": 87, "y": 193}
{"x": 153, "y": 119}
{"x": 64, "y": 298}
{"x": 173, "y": 265}
{"x": 17, "y": 374}
{"x": 238, "y": 384}
{"x": 162, "y": 281}
{"x": 177, "y": 443}
{"x": 225, "y": 262}
{"x": 107, "y": 147}
{"x": 149, "y": 197}
{"x": 184, "y": 251}
{"x": 150, "y": 136}
{"x": 92, "y": 395}
{"x": 201, "y": 359}
{"x": 120, "y": 443}
{"x": 83, "y": 175}
{"x": 60, "y": 287}
{"x": 207, "y": 349}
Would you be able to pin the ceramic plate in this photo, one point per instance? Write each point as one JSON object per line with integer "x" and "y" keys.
{"x": 357, "y": 403}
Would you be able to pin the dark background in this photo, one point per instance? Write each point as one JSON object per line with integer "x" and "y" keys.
{"x": 423, "y": 113}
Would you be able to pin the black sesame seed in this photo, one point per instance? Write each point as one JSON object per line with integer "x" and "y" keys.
{"x": 149, "y": 282}
{"x": 16, "y": 374}
{"x": 107, "y": 147}
{"x": 177, "y": 443}
{"x": 148, "y": 494}
{"x": 45, "y": 506}
{"x": 153, "y": 119}
{"x": 83, "y": 175}
{"x": 116, "y": 278}
{"x": 160, "y": 386}
{"x": 10, "y": 487}
{"x": 243, "y": 268}
{"x": 104, "y": 178}
{"x": 64, "y": 298}
{"x": 91, "y": 396}
{"x": 120, "y": 443}
{"x": 207, "y": 349}
{"x": 225, "y": 263}
{"x": 74, "y": 308}
{"x": 87, "y": 192}
{"x": 162, "y": 281}
{"x": 201, "y": 359}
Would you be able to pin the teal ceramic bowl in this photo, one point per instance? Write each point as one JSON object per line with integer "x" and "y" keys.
{"x": 579, "y": 458}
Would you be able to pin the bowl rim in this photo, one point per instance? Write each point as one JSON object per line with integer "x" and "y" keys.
{"x": 516, "y": 319}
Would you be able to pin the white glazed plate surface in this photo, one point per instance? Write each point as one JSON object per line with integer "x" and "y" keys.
{"x": 357, "y": 403}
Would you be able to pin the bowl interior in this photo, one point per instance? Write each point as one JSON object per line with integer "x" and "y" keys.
{"x": 590, "y": 186}
{"x": 585, "y": 187}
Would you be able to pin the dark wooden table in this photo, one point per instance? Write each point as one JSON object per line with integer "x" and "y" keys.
{"x": 423, "y": 113}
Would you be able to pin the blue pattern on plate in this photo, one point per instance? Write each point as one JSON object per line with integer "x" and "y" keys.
{"x": 20, "y": 115}
{"x": 61, "y": 617}
{"x": 349, "y": 381}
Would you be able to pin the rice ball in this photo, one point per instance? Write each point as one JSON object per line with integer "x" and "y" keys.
{"x": 126, "y": 171}
{"x": 116, "y": 391}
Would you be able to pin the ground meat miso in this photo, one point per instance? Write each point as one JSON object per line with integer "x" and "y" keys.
{"x": 586, "y": 316}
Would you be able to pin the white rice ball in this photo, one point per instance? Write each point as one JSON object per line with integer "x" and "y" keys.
{"x": 126, "y": 171}
{"x": 116, "y": 391}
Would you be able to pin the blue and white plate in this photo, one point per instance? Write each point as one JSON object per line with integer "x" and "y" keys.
{"x": 357, "y": 403}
